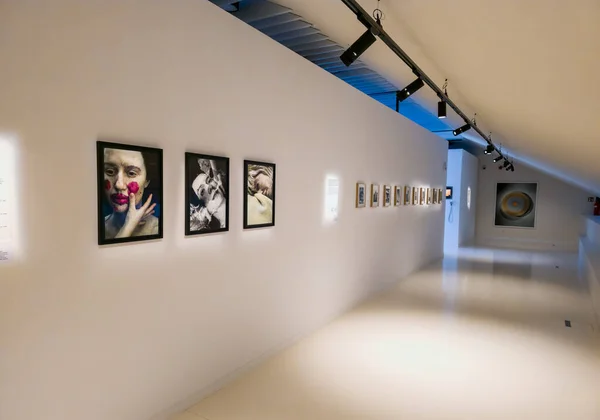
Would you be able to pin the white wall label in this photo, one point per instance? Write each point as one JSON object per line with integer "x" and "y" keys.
{"x": 6, "y": 199}
{"x": 332, "y": 197}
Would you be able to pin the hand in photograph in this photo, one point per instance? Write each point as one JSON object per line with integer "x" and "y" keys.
{"x": 136, "y": 217}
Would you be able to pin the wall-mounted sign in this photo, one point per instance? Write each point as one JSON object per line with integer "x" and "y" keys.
{"x": 7, "y": 157}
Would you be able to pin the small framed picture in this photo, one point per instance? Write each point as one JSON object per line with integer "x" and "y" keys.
{"x": 206, "y": 194}
{"x": 415, "y": 197}
{"x": 374, "y": 195}
{"x": 387, "y": 195}
{"x": 422, "y": 196}
{"x": 259, "y": 196}
{"x": 440, "y": 196}
{"x": 361, "y": 195}
{"x": 429, "y": 195}
{"x": 130, "y": 193}
{"x": 407, "y": 192}
{"x": 398, "y": 197}
{"x": 435, "y": 196}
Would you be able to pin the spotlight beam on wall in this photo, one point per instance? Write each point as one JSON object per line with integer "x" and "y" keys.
{"x": 371, "y": 24}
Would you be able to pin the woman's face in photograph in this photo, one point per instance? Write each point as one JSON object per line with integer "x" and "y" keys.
{"x": 124, "y": 174}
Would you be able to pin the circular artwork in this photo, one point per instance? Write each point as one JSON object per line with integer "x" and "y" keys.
{"x": 516, "y": 205}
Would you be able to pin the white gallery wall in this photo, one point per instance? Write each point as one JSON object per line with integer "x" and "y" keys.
{"x": 559, "y": 208}
{"x": 459, "y": 228}
{"x": 130, "y": 332}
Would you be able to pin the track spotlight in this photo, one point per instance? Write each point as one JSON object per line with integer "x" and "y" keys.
{"x": 489, "y": 150}
{"x": 506, "y": 163}
{"x": 441, "y": 109}
{"x": 498, "y": 159}
{"x": 462, "y": 129}
{"x": 410, "y": 89}
{"x": 360, "y": 46}
{"x": 512, "y": 168}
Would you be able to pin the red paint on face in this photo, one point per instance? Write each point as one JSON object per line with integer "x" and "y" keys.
{"x": 107, "y": 185}
{"x": 133, "y": 187}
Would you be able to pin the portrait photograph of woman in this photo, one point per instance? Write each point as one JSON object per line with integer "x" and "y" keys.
{"x": 207, "y": 194}
{"x": 259, "y": 197}
{"x": 129, "y": 193}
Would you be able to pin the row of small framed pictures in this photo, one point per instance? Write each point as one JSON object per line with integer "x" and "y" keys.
{"x": 130, "y": 193}
{"x": 401, "y": 195}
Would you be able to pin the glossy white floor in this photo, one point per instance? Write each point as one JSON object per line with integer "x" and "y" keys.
{"x": 480, "y": 336}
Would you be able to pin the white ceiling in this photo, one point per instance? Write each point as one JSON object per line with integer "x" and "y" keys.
{"x": 529, "y": 68}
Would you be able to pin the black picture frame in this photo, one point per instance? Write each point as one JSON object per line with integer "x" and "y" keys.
{"x": 247, "y": 192}
{"x": 153, "y": 164}
{"x": 218, "y": 163}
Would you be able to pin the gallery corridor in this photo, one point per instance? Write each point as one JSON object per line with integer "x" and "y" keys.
{"x": 480, "y": 336}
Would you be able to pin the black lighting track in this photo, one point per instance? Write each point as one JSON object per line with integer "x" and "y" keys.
{"x": 370, "y": 23}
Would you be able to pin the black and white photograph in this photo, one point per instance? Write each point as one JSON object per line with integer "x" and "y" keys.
{"x": 387, "y": 195}
{"x": 407, "y": 192}
{"x": 415, "y": 198}
{"x": 361, "y": 195}
{"x": 435, "y": 196}
{"x": 206, "y": 194}
{"x": 130, "y": 193}
{"x": 259, "y": 197}
{"x": 374, "y": 195}
{"x": 398, "y": 196}
{"x": 516, "y": 204}
{"x": 429, "y": 195}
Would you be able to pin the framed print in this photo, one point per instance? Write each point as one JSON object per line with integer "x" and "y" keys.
{"x": 361, "y": 195}
{"x": 435, "y": 196}
{"x": 429, "y": 195}
{"x": 398, "y": 196}
{"x": 407, "y": 192}
{"x": 130, "y": 193}
{"x": 440, "y": 196}
{"x": 206, "y": 194}
{"x": 449, "y": 193}
{"x": 374, "y": 195}
{"x": 387, "y": 195}
{"x": 259, "y": 197}
{"x": 422, "y": 196}
{"x": 516, "y": 204}
{"x": 415, "y": 198}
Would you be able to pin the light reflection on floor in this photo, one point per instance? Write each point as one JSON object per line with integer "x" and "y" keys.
{"x": 477, "y": 336}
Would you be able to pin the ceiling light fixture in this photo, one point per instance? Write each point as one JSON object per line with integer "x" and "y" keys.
{"x": 373, "y": 24}
{"x": 498, "y": 159}
{"x": 462, "y": 129}
{"x": 442, "y": 104}
{"x": 410, "y": 89}
{"x": 489, "y": 150}
{"x": 506, "y": 164}
{"x": 358, "y": 48}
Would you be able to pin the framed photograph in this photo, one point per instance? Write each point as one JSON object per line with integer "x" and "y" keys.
{"x": 387, "y": 195}
{"x": 398, "y": 197}
{"x": 130, "y": 193}
{"x": 435, "y": 196}
{"x": 374, "y": 195}
{"x": 407, "y": 192}
{"x": 516, "y": 204}
{"x": 449, "y": 193}
{"x": 440, "y": 196}
{"x": 361, "y": 195}
{"x": 429, "y": 195}
{"x": 259, "y": 197}
{"x": 415, "y": 198}
{"x": 422, "y": 196}
{"x": 206, "y": 194}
